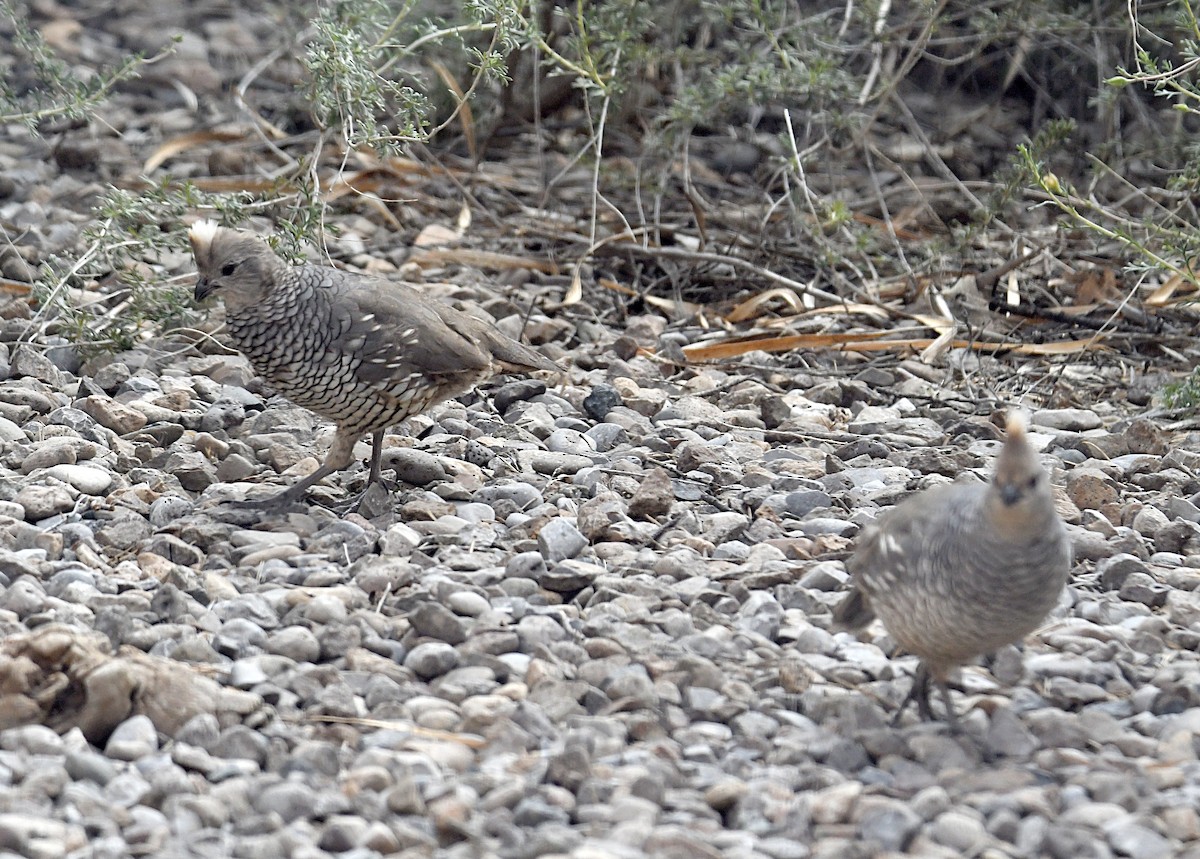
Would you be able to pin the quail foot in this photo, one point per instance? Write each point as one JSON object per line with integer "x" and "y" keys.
{"x": 960, "y": 570}
{"x": 360, "y": 351}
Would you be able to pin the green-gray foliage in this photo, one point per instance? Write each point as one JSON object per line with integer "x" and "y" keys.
{"x": 1183, "y": 394}
{"x": 36, "y": 85}
{"x": 387, "y": 73}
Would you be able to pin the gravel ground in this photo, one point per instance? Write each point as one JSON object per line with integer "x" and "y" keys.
{"x": 609, "y": 640}
{"x": 592, "y": 622}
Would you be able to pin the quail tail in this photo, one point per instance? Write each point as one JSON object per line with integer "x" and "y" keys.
{"x": 514, "y": 356}
{"x": 854, "y": 611}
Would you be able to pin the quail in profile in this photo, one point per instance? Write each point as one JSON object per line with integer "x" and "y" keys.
{"x": 960, "y": 570}
{"x": 360, "y": 351}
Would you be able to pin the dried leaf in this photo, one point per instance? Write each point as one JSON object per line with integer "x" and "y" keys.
{"x": 1096, "y": 286}
{"x": 676, "y": 309}
{"x": 381, "y": 208}
{"x": 463, "y": 222}
{"x": 436, "y": 235}
{"x": 940, "y": 324}
{"x": 360, "y": 182}
{"x": 943, "y": 309}
{"x": 1175, "y": 283}
{"x": 752, "y": 306}
{"x": 1012, "y": 296}
{"x": 933, "y": 353}
{"x": 473, "y": 741}
{"x": 61, "y": 33}
{"x": 1061, "y": 347}
{"x": 364, "y": 185}
{"x": 575, "y": 291}
{"x": 886, "y": 229}
{"x": 616, "y": 287}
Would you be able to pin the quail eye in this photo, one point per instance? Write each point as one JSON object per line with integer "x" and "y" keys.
{"x": 228, "y": 269}
{"x": 1032, "y": 482}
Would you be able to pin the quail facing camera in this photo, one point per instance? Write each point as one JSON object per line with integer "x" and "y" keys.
{"x": 961, "y": 570}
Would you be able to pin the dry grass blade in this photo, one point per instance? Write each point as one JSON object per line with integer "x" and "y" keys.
{"x": 940, "y": 324}
{"x": 877, "y": 313}
{"x": 866, "y": 341}
{"x": 409, "y": 167}
{"x": 480, "y": 259}
{"x": 1061, "y": 347}
{"x": 184, "y": 142}
{"x": 15, "y": 287}
{"x": 464, "y": 107}
{"x": 233, "y": 184}
{"x": 364, "y": 185}
{"x": 677, "y": 309}
{"x": 786, "y": 343}
{"x": 473, "y": 741}
{"x": 1163, "y": 296}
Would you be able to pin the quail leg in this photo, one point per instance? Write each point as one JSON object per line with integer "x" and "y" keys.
{"x": 919, "y": 693}
{"x": 341, "y": 454}
{"x": 375, "y": 475}
{"x": 951, "y": 714}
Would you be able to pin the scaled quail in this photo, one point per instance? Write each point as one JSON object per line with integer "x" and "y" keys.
{"x": 960, "y": 570}
{"x": 361, "y": 351}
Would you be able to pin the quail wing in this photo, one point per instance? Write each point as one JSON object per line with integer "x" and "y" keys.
{"x": 912, "y": 537}
{"x": 398, "y": 333}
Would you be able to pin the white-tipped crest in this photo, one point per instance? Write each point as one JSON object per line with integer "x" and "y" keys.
{"x": 1017, "y": 423}
{"x": 202, "y": 232}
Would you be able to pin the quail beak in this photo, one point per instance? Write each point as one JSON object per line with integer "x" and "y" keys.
{"x": 201, "y": 235}
{"x": 1010, "y": 494}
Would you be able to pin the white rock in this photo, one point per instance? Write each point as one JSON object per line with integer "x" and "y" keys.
{"x": 9, "y": 431}
{"x": 85, "y": 478}
{"x": 264, "y": 538}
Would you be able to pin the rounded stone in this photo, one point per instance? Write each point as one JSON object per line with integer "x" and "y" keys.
{"x": 132, "y": 740}
{"x": 431, "y": 659}
{"x": 559, "y": 540}
{"x": 85, "y": 478}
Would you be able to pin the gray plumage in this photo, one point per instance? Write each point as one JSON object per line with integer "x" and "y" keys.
{"x": 361, "y": 351}
{"x": 961, "y": 570}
